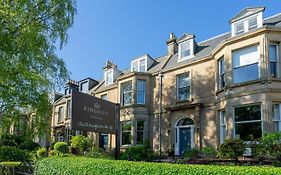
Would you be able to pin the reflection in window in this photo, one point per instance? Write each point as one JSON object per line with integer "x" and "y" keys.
{"x": 273, "y": 58}
{"x": 104, "y": 97}
{"x": 60, "y": 114}
{"x": 140, "y": 91}
{"x": 185, "y": 49}
{"x": 84, "y": 87}
{"x": 248, "y": 123}
{"x": 140, "y": 131}
{"x": 183, "y": 87}
{"x": 222, "y": 125}
{"x": 126, "y": 93}
{"x": 245, "y": 64}
{"x": 253, "y": 23}
{"x": 126, "y": 133}
{"x": 221, "y": 73}
{"x": 276, "y": 117}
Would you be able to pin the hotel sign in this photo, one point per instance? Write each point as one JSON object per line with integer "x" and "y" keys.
{"x": 92, "y": 114}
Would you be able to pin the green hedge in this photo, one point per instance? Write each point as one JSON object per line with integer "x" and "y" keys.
{"x": 90, "y": 166}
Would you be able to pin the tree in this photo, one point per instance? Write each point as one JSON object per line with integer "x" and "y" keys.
{"x": 29, "y": 68}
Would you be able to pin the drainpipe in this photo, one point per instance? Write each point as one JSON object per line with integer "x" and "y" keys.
{"x": 160, "y": 113}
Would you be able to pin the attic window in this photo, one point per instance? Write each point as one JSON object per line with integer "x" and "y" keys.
{"x": 84, "y": 87}
{"x": 239, "y": 28}
{"x": 253, "y": 23}
{"x": 109, "y": 77}
{"x": 185, "y": 50}
{"x": 139, "y": 65}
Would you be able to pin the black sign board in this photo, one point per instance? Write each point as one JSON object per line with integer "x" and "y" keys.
{"x": 92, "y": 114}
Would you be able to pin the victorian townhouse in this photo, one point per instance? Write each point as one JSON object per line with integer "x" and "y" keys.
{"x": 197, "y": 95}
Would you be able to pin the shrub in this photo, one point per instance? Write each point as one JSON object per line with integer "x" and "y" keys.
{"x": 231, "y": 149}
{"x": 209, "y": 152}
{"x": 29, "y": 145}
{"x": 137, "y": 153}
{"x": 53, "y": 153}
{"x": 193, "y": 153}
{"x": 11, "y": 138}
{"x": 8, "y": 153}
{"x": 79, "y": 144}
{"x": 61, "y": 147}
{"x": 42, "y": 152}
{"x": 83, "y": 165}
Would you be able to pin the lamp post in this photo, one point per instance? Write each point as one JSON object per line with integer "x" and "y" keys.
{"x": 160, "y": 112}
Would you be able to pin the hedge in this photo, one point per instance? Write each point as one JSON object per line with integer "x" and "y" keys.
{"x": 91, "y": 166}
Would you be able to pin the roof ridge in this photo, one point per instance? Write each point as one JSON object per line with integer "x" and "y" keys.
{"x": 272, "y": 16}
{"x": 214, "y": 37}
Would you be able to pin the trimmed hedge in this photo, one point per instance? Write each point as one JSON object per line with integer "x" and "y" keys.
{"x": 8, "y": 153}
{"x": 61, "y": 147}
{"x": 90, "y": 166}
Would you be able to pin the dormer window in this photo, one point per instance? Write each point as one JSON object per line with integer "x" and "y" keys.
{"x": 109, "y": 77}
{"x": 141, "y": 64}
{"x": 84, "y": 87}
{"x": 185, "y": 49}
{"x": 247, "y": 20}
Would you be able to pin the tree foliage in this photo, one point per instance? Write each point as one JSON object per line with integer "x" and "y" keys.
{"x": 30, "y": 70}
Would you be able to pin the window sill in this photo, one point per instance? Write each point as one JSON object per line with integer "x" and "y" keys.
{"x": 246, "y": 83}
{"x": 221, "y": 90}
{"x": 190, "y": 100}
{"x": 60, "y": 123}
{"x": 127, "y": 106}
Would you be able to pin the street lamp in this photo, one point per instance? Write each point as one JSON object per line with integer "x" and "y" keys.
{"x": 160, "y": 112}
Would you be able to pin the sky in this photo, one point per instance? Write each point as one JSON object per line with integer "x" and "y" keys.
{"x": 121, "y": 30}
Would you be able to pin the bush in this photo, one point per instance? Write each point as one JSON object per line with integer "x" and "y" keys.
{"x": 137, "y": 153}
{"x": 29, "y": 145}
{"x": 42, "y": 152}
{"x": 209, "y": 152}
{"x": 61, "y": 147}
{"x": 53, "y": 153}
{"x": 8, "y": 153}
{"x": 80, "y": 144}
{"x": 16, "y": 140}
{"x": 83, "y": 165}
{"x": 231, "y": 149}
{"x": 193, "y": 153}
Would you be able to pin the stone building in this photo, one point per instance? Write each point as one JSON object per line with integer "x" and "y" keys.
{"x": 199, "y": 93}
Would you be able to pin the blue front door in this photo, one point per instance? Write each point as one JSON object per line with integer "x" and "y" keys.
{"x": 184, "y": 140}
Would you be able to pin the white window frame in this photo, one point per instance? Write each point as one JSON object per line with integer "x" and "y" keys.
{"x": 220, "y": 73}
{"x": 277, "y": 59}
{"x": 143, "y": 91}
{"x": 180, "y": 58}
{"x": 258, "y": 53}
{"x": 223, "y": 125}
{"x": 138, "y": 65}
{"x": 240, "y": 31}
{"x": 277, "y": 119}
{"x": 127, "y": 92}
{"x": 251, "y": 121}
{"x": 107, "y": 74}
{"x": 252, "y": 27}
{"x": 177, "y": 85}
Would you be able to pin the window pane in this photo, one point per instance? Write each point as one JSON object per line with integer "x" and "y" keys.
{"x": 127, "y": 98}
{"x": 185, "y": 49}
{"x": 253, "y": 23}
{"x": 183, "y": 80}
{"x": 185, "y": 53}
{"x": 246, "y": 56}
{"x": 141, "y": 84}
{"x": 68, "y": 108}
{"x": 248, "y": 131}
{"x": 247, "y": 113}
{"x": 84, "y": 87}
{"x": 221, "y": 73}
{"x": 142, "y": 65}
{"x": 104, "y": 97}
{"x": 139, "y": 137}
{"x": 183, "y": 93}
{"x": 246, "y": 73}
{"x": 239, "y": 28}
{"x": 273, "y": 53}
{"x": 109, "y": 77}
{"x": 135, "y": 66}
{"x": 126, "y": 132}
{"x": 222, "y": 117}
{"x": 140, "y": 125}
{"x": 60, "y": 114}
{"x": 221, "y": 66}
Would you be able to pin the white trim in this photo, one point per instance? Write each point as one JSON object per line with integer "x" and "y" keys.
{"x": 191, "y": 50}
{"x": 138, "y": 64}
{"x": 105, "y": 77}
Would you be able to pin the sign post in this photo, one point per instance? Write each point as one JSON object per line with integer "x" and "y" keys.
{"x": 93, "y": 114}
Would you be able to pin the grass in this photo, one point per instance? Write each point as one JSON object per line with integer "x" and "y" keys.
{"x": 92, "y": 166}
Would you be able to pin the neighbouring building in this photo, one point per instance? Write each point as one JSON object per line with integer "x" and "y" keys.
{"x": 197, "y": 95}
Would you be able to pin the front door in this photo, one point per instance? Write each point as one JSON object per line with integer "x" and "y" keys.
{"x": 184, "y": 140}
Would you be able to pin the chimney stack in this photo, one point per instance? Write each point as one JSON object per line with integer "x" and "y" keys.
{"x": 172, "y": 44}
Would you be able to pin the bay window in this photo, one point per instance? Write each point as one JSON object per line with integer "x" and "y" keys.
{"x": 248, "y": 122}
{"x": 276, "y": 111}
{"x": 273, "y": 59}
{"x": 245, "y": 64}
{"x": 126, "y": 132}
{"x": 141, "y": 91}
{"x": 183, "y": 87}
{"x": 126, "y": 90}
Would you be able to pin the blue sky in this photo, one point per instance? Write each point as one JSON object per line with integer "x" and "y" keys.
{"x": 121, "y": 30}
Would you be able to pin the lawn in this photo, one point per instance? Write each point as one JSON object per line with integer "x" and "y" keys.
{"x": 91, "y": 166}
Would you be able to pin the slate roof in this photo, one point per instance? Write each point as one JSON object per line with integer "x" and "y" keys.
{"x": 203, "y": 50}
